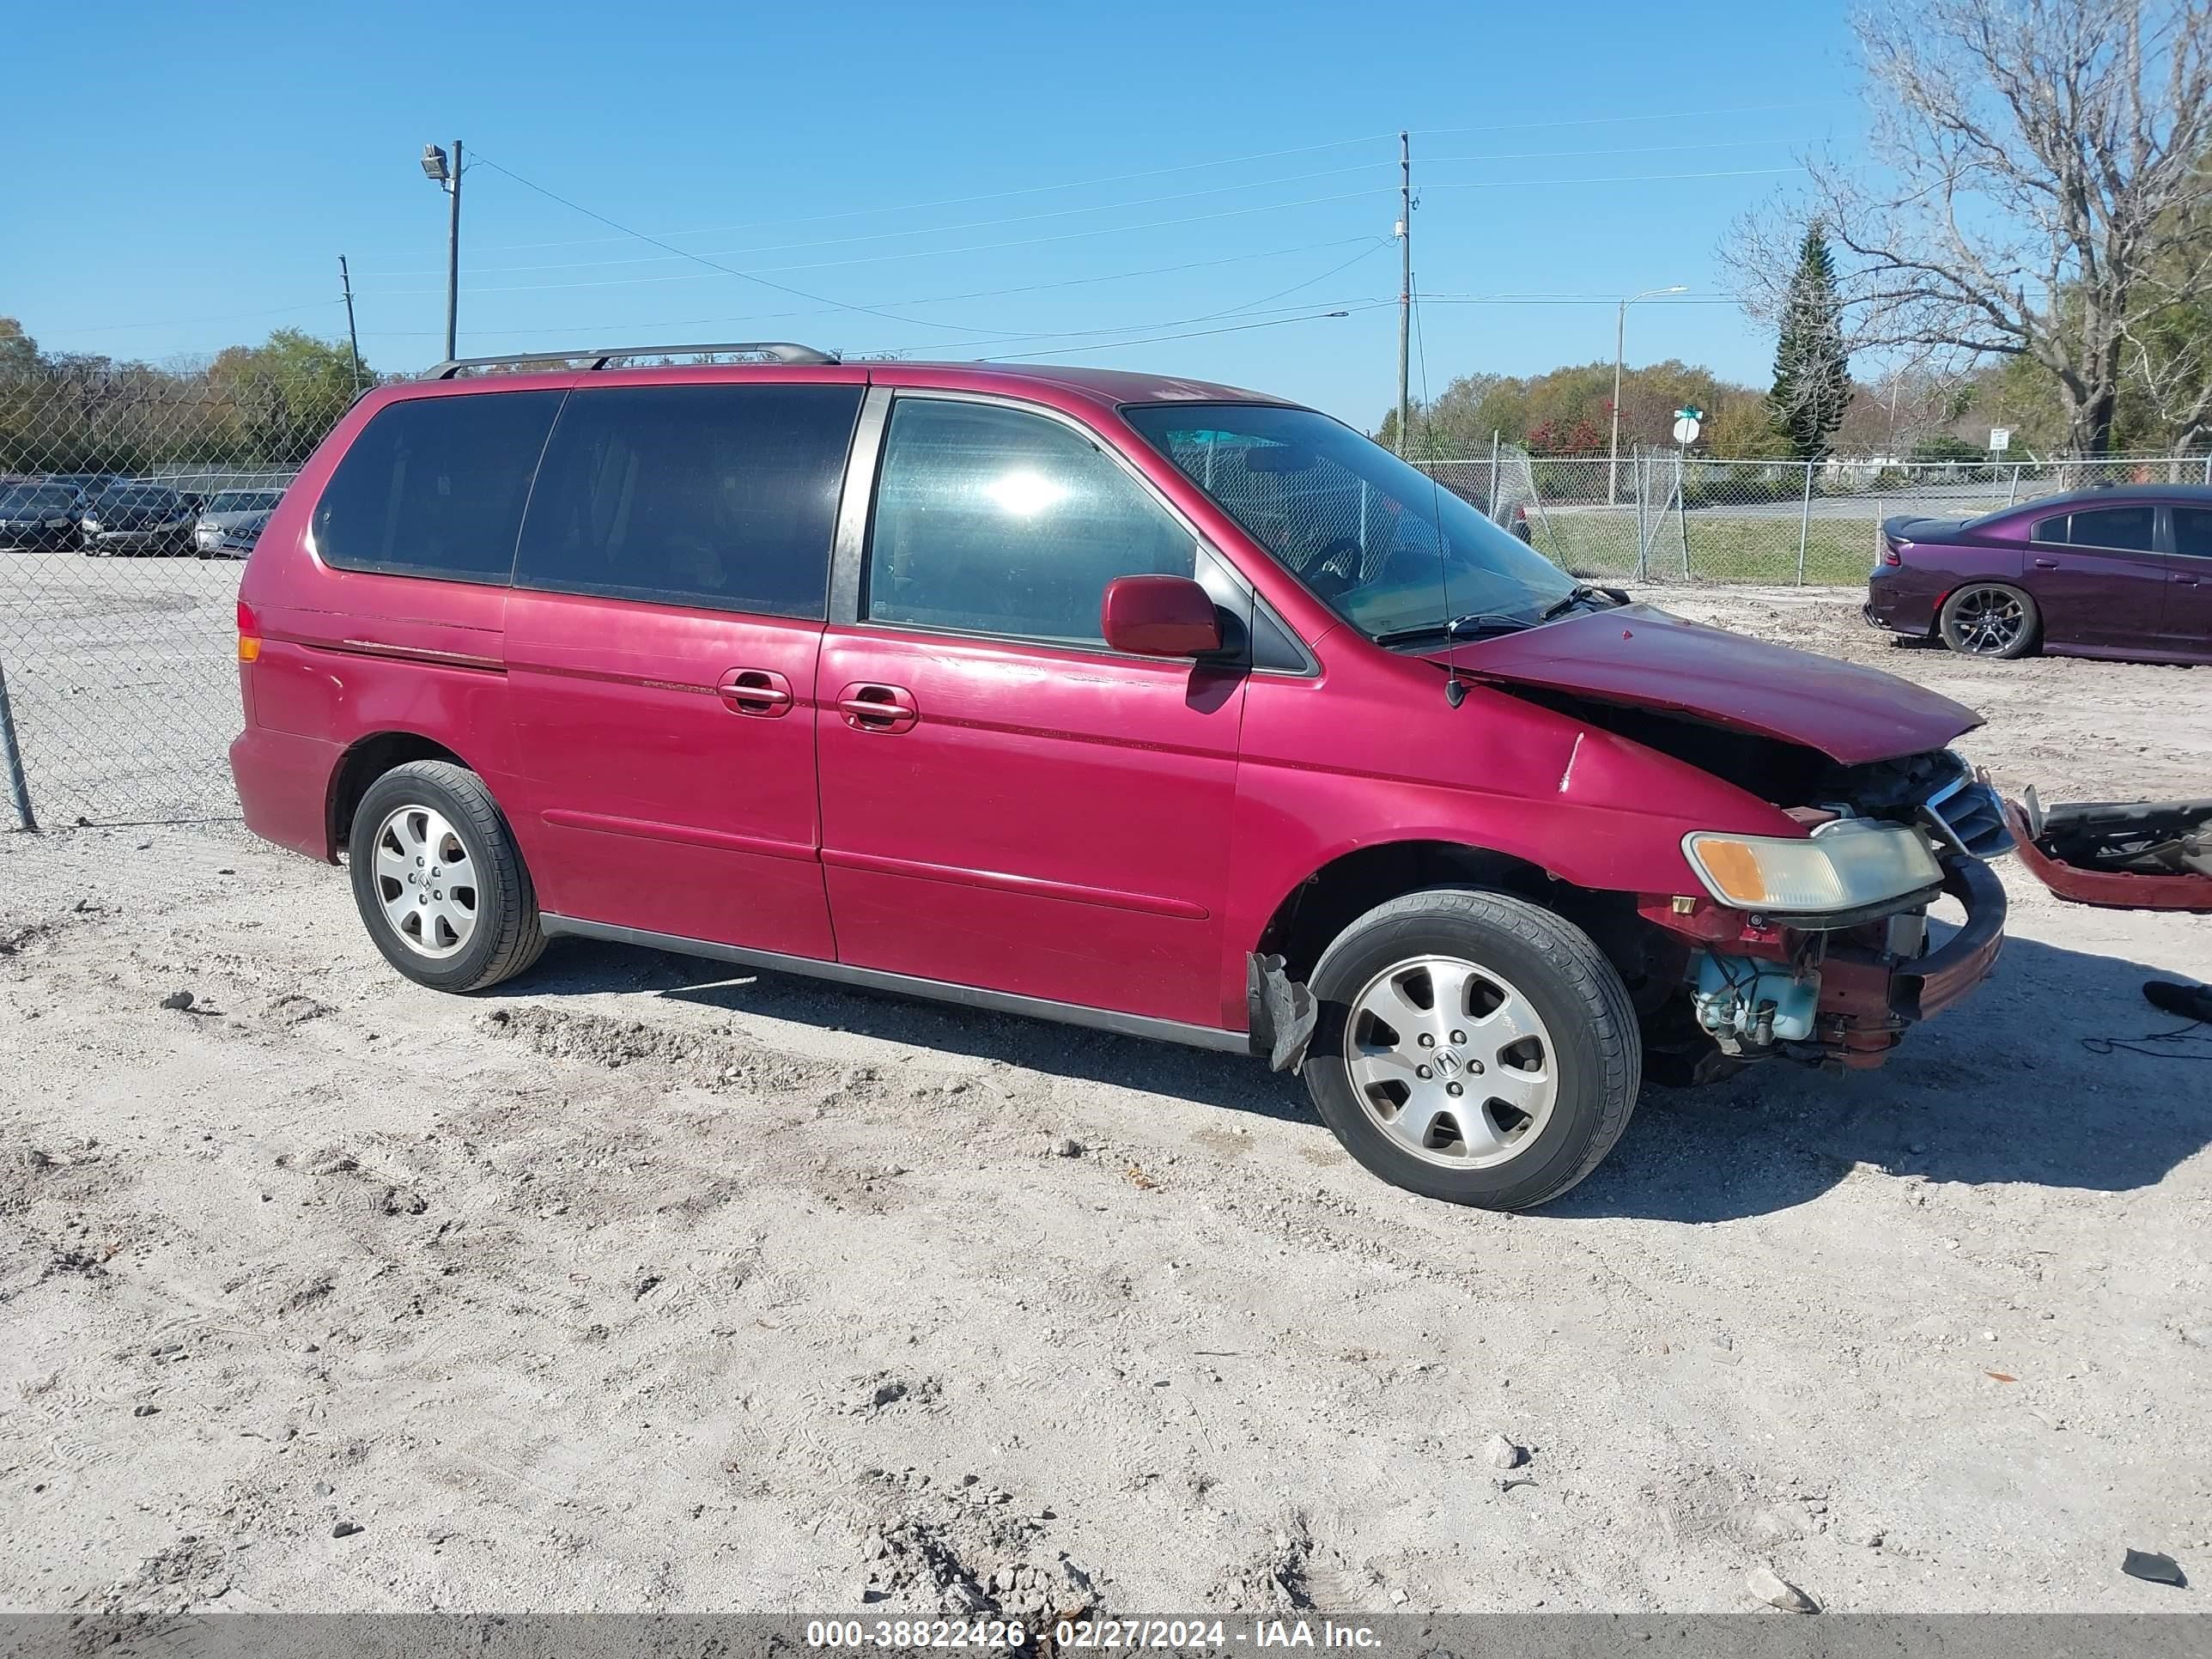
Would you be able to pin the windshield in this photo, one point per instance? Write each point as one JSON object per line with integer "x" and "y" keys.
{"x": 1387, "y": 547}
{"x": 242, "y": 501}
{"x": 139, "y": 498}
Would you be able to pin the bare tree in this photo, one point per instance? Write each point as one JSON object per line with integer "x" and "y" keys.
{"x": 2033, "y": 185}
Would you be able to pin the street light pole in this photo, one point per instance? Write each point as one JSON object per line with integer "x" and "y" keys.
{"x": 1620, "y": 346}
{"x": 449, "y": 180}
{"x": 453, "y": 259}
{"x": 1405, "y": 284}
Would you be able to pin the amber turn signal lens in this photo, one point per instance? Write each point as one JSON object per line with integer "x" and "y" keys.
{"x": 249, "y": 648}
{"x": 1734, "y": 868}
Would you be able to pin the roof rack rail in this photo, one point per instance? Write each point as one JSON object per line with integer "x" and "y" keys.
{"x": 782, "y": 351}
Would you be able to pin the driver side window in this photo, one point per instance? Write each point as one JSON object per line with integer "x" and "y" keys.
{"x": 996, "y": 520}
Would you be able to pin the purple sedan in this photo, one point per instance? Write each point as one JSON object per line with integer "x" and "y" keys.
{"x": 2116, "y": 572}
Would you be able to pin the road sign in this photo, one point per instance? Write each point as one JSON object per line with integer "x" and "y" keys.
{"x": 1999, "y": 437}
{"x": 1689, "y": 412}
{"x": 1686, "y": 428}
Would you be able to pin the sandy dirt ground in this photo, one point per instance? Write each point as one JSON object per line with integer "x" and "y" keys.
{"x": 647, "y": 1284}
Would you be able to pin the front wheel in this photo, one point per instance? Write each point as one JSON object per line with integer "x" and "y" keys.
{"x": 1989, "y": 619}
{"x": 438, "y": 881}
{"x": 1473, "y": 1048}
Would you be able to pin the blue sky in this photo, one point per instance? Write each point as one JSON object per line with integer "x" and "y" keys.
{"x": 1224, "y": 165}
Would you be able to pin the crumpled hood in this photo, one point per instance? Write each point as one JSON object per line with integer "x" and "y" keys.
{"x": 1640, "y": 655}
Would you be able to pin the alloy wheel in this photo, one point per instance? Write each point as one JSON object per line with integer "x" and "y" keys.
{"x": 1451, "y": 1061}
{"x": 426, "y": 881}
{"x": 1988, "y": 621}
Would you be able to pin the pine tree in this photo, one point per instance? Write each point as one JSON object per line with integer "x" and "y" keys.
{"x": 1812, "y": 369}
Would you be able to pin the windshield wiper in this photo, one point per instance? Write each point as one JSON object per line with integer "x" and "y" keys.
{"x": 1474, "y": 622}
{"x": 1582, "y": 593}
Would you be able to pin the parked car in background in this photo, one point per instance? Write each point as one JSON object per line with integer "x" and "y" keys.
{"x": 229, "y": 509}
{"x": 238, "y": 536}
{"x": 38, "y": 516}
{"x": 137, "y": 519}
{"x": 2121, "y": 571}
{"x": 1115, "y": 699}
{"x": 87, "y": 485}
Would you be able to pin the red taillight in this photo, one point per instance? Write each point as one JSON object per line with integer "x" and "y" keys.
{"x": 249, "y": 634}
{"x": 1890, "y": 554}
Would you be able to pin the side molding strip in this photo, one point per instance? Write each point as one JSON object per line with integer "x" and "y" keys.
{"x": 873, "y": 979}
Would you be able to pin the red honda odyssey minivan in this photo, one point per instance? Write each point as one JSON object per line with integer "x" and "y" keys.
{"x": 1122, "y": 700}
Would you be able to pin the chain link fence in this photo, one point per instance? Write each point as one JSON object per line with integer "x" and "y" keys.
{"x": 126, "y": 492}
{"x": 1661, "y": 516}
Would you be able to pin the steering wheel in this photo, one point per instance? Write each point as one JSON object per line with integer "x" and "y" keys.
{"x": 1335, "y": 568}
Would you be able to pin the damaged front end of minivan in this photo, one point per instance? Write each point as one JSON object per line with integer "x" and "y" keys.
{"x": 1815, "y": 947}
{"x": 1818, "y": 948}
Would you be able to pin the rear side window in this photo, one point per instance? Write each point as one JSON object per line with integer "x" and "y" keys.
{"x": 716, "y": 496}
{"x": 2130, "y": 529}
{"x": 435, "y": 487}
{"x": 2192, "y": 531}
{"x": 2052, "y": 530}
{"x": 999, "y": 521}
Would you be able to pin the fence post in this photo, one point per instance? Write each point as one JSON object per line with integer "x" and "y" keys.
{"x": 1804, "y": 523}
{"x": 1643, "y": 544}
{"x": 1492, "y": 514}
{"x": 2013, "y": 499}
{"x": 1682, "y": 505}
{"x": 19, "y": 786}
{"x": 2208, "y": 466}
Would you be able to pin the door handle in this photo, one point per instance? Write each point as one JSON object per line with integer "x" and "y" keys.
{"x": 2045, "y": 564}
{"x": 869, "y": 707}
{"x": 2185, "y": 582}
{"x": 761, "y": 692}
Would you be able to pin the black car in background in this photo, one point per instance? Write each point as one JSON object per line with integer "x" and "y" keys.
{"x": 39, "y": 516}
{"x": 138, "y": 518}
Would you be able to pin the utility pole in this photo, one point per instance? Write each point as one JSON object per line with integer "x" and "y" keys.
{"x": 1405, "y": 285}
{"x": 353, "y": 339}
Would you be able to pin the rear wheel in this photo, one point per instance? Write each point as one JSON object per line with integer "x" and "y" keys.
{"x": 438, "y": 881}
{"x": 1473, "y": 1048}
{"x": 1989, "y": 619}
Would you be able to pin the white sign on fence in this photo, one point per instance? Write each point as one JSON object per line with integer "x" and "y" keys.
{"x": 1999, "y": 437}
{"x": 1685, "y": 430}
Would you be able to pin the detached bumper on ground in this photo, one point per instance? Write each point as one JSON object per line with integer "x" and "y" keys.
{"x": 1869, "y": 996}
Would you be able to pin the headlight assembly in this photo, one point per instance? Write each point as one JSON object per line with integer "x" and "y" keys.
{"x": 1845, "y": 865}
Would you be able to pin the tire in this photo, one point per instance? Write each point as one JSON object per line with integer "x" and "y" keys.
{"x": 1993, "y": 620}
{"x": 457, "y": 944}
{"x": 1585, "y": 1033}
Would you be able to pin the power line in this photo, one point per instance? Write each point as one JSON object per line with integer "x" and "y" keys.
{"x": 1115, "y": 345}
{"x": 1184, "y": 167}
{"x": 1101, "y": 207}
{"x": 727, "y": 270}
{"x": 924, "y": 230}
{"x": 1618, "y": 178}
{"x": 1077, "y": 235}
{"x": 188, "y": 322}
{"x": 929, "y": 253}
{"x": 1370, "y": 243}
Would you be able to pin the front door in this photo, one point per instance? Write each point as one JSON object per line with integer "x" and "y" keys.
{"x": 661, "y": 644}
{"x": 2098, "y": 577}
{"x": 1005, "y": 802}
{"x": 2188, "y": 622}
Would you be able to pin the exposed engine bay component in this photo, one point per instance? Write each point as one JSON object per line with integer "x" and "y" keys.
{"x": 1750, "y": 1005}
{"x": 2143, "y": 855}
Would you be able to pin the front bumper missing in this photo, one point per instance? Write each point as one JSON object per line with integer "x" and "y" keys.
{"x": 1869, "y": 997}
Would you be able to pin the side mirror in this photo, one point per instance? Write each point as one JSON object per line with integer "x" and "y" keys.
{"x": 1159, "y": 617}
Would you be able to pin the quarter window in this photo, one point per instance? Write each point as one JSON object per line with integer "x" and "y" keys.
{"x": 1000, "y": 521}
{"x": 716, "y": 496}
{"x": 435, "y": 487}
{"x": 2130, "y": 529}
